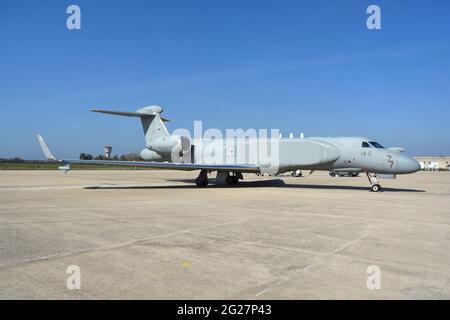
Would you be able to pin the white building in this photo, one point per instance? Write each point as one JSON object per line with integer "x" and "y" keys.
{"x": 434, "y": 163}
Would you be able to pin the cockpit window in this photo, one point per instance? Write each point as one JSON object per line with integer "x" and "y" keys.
{"x": 376, "y": 145}
{"x": 366, "y": 145}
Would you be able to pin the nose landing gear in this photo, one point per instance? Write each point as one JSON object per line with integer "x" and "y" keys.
{"x": 374, "y": 181}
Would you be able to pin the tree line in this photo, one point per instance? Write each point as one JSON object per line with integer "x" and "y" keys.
{"x": 83, "y": 156}
{"x": 124, "y": 157}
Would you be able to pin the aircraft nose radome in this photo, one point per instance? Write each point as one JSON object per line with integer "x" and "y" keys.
{"x": 407, "y": 164}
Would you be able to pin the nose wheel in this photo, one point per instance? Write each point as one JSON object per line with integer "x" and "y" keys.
{"x": 374, "y": 181}
{"x": 376, "y": 187}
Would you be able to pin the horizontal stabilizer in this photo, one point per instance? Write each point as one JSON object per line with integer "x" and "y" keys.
{"x": 140, "y": 113}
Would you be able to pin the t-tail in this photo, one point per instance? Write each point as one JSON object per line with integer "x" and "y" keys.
{"x": 160, "y": 145}
{"x": 152, "y": 122}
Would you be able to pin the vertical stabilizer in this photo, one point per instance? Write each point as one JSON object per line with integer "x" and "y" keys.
{"x": 152, "y": 124}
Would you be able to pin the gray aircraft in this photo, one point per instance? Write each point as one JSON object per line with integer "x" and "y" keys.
{"x": 178, "y": 152}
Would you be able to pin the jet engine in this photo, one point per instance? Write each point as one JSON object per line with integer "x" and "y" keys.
{"x": 184, "y": 145}
{"x": 171, "y": 145}
{"x": 150, "y": 155}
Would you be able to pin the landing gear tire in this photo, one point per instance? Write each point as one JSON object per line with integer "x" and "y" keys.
{"x": 376, "y": 188}
{"x": 232, "y": 180}
{"x": 202, "y": 179}
{"x": 332, "y": 174}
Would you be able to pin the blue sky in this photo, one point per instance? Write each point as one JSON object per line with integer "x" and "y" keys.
{"x": 299, "y": 66}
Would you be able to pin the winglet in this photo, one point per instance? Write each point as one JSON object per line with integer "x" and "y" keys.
{"x": 45, "y": 149}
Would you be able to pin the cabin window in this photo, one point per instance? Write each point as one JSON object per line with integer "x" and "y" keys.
{"x": 376, "y": 145}
{"x": 366, "y": 145}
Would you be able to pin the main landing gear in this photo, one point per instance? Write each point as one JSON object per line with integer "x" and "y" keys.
{"x": 374, "y": 181}
{"x": 233, "y": 178}
{"x": 230, "y": 178}
{"x": 202, "y": 179}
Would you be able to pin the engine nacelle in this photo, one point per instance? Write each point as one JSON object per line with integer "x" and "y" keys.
{"x": 150, "y": 155}
{"x": 171, "y": 145}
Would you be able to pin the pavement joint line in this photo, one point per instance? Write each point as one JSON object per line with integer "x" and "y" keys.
{"x": 260, "y": 244}
{"x": 360, "y": 238}
{"x": 114, "y": 247}
{"x": 203, "y": 235}
{"x": 62, "y": 221}
{"x": 274, "y": 247}
{"x": 374, "y": 219}
{"x": 308, "y": 267}
{"x": 335, "y": 216}
{"x": 139, "y": 220}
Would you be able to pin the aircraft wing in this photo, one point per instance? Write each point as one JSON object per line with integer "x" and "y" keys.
{"x": 147, "y": 164}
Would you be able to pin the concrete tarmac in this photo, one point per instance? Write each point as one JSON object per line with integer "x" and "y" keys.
{"x": 155, "y": 235}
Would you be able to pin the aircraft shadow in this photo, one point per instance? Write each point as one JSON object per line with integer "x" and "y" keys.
{"x": 277, "y": 183}
{"x": 334, "y": 187}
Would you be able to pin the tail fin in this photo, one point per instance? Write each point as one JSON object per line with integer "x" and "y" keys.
{"x": 152, "y": 122}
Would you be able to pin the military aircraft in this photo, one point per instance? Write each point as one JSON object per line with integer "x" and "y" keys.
{"x": 175, "y": 152}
